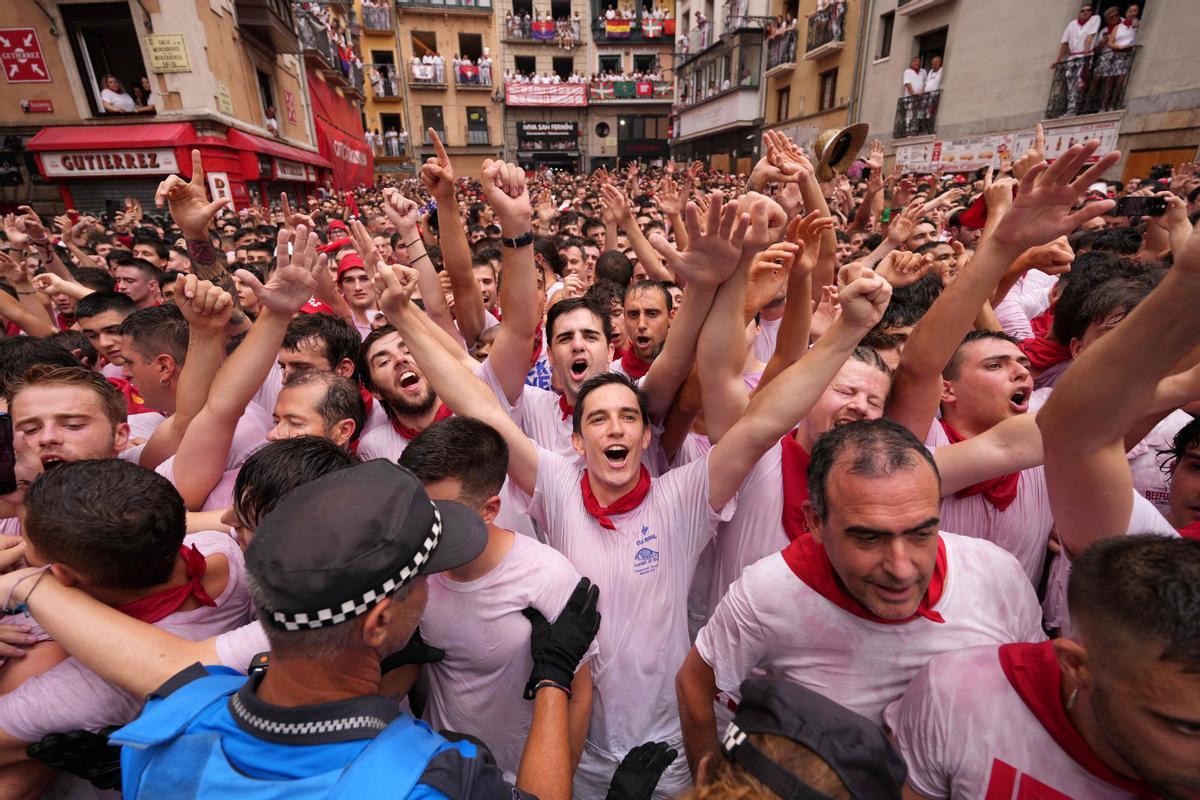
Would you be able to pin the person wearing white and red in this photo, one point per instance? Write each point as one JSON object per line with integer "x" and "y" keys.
{"x": 1109, "y": 713}
{"x": 856, "y": 606}
{"x": 647, "y": 318}
{"x": 355, "y": 286}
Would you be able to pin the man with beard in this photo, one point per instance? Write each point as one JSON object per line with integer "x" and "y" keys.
{"x": 647, "y": 318}
{"x": 1110, "y": 712}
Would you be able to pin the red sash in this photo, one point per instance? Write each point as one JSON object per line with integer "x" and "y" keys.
{"x": 808, "y": 560}
{"x": 567, "y": 409}
{"x": 1033, "y": 672}
{"x": 633, "y": 364}
{"x": 626, "y": 502}
{"x": 411, "y": 433}
{"x": 794, "y": 459}
{"x": 161, "y": 604}
{"x": 999, "y": 491}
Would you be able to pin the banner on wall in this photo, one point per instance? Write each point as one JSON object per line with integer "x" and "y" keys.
{"x": 977, "y": 152}
{"x": 353, "y": 164}
{"x": 546, "y": 94}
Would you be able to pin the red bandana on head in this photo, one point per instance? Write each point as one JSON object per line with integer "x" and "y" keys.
{"x": 808, "y": 560}
{"x": 795, "y": 486}
{"x": 999, "y": 491}
{"x": 626, "y": 502}
{"x": 411, "y": 433}
{"x": 567, "y": 409}
{"x": 635, "y": 367}
{"x": 1034, "y": 674}
{"x": 162, "y": 604}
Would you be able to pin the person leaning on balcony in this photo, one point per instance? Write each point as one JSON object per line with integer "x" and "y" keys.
{"x": 933, "y": 78}
{"x": 113, "y": 96}
{"x": 914, "y": 78}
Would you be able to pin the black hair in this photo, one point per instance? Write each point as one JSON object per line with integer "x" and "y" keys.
{"x": 147, "y": 270}
{"x": 1116, "y": 294}
{"x": 156, "y": 330}
{"x": 651, "y": 286}
{"x": 879, "y": 447}
{"x": 116, "y": 523}
{"x": 607, "y": 379}
{"x": 19, "y": 353}
{"x": 1144, "y": 586}
{"x": 94, "y": 278}
{"x": 278, "y": 467}
{"x": 102, "y": 302}
{"x": 1119, "y": 241}
{"x": 338, "y": 339}
{"x": 168, "y": 276}
{"x": 951, "y": 370}
{"x": 614, "y": 266}
{"x": 74, "y": 340}
{"x": 1186, "y": 438}
{"x": 901, "y": 314}
{"x": 1089, "y": 271}
{"x": 463, "y": 448}
{"x": 574, "y": 304}
{"x": 160, "y": 248}
{"x": 342, "y": 399}
{"x": 545, "y": 247}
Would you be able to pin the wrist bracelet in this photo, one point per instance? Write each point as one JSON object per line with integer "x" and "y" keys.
{"x": 542, "y": 684}
{"x": 23, "y": 608}
{"x": 18, "y": 291}
{"x": 410, "y": 244}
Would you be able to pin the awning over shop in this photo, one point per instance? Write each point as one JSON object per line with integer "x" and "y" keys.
{"x": 100, "y": 137}
{"x": 257, "y": 144}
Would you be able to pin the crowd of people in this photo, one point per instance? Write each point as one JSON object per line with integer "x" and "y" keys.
{"x": 659, "y": 483}
{"x": 566, "y": 31}
{"x": 1094, "y": 59}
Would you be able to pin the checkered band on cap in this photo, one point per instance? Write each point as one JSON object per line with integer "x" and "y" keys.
{"x": 308, "y": 620}
{"x": 734, "y": 736}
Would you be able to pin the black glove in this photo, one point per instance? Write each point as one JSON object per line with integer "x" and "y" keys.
{"x": 415, "y": 652}
{"x": 638, "y": 774}
{"x": 82, "y": 753}
{"x": 559, "y": 647}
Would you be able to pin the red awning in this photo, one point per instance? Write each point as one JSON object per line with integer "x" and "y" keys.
{"x": 256, "y": 144}
{"x": 99, "y": 137}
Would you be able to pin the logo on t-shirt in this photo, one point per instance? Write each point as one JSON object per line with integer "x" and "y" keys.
{"x": 1005, "y": 778}
{"x": 645, "y": 560}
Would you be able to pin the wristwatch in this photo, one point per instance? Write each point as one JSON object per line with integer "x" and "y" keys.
{"x": 519, "y": 241}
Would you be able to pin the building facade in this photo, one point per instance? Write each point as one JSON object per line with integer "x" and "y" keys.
{"x": 719, "y": 65}
{"x": 105, "y": 99}
{"x": 384, "y": 114}
{"x": 448, "y": 57}
{"x": 1144, "y": 100}
{"x": 810, "y": 66}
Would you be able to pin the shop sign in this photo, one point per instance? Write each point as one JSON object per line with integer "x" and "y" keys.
{"x": 547, "y": 130}
{"x": 218, "y": 184}
{"x": 21, "y": 56}
{"x": 289, "y": 170}
{"x": 168, "y": 52}
{"x": 109, "y": 163}
{"x": 37, "y": 106}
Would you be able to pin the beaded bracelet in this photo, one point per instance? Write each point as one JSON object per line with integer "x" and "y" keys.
{"x": 543, "y": 684}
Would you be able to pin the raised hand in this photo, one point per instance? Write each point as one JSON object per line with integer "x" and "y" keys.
{"x": 403, "y": 212}
{"x": 997, "y": 194}
{"x": 364, "y": 244}
{"x": 206, "y": 306}
{"x": 903, "y": 224}
{"x": 714, "y": 249}
{"x": 807, "y": 231}
{"x": 31, "y": 225}
{"x": 394, "y": 287}
{"x": 1041, "y": 210}
{"x": 767, "y": 221}
{"x": 294, "y": 279}
{"x": 769, "y": 274}
{"x": 49, "y": 283}
{"x": 505, "y": 191}
{"x": 1053, "y": 258}
{"x": 863, "y": 296}
{"x": 667, "y": 197}
{"x": 437, "y": 175}
{"x": 559, "y": 646}
{"x": 1034, "y": 155}
{"x": 901, "y": 268}
{"x": 188, "y": 201}
{"x": 640, "y": 770}
{"x": 616, "y": 203}
{"x": 293, "y": 218}
{"x": 14, "y": 231}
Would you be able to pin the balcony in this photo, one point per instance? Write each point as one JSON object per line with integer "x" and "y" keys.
{"x": 640, "y": 29}
{"x": 826, "y": 32}
{"x": 606, "y": 92}
{"x": 319, "y": 50}
{"x": 269, "y": 22}
{"x": 478, "y": 137}
{"x": 781, "y": 53}
{"x": 377, "y": 18}
{"x": 1090, "y": 84}
{"x": 472, "y": 77}
{"x": 352, "y": 79}
{"x": 906, "y": 7}
{"x": 441, "y": 133}
{"x": 556, "y": 95}
{"x": 523, "y": 30}
{"x": 385, "y": 84}
{"x": 425, "y": 76}
{"x": 916, "y": 115}
{"x": 457, "y": 6}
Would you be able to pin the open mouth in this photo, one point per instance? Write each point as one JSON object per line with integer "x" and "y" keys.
{"x": 49, "y": 461}
{"x": 409, "y": 380}
{"x": 579, "y": 368}
{"x": 616, "y": 455}
{"x": 642, "y": 341}
{"x": 1020, "y": 399}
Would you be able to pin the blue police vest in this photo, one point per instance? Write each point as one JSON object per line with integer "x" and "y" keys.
{"x": 178, "y": 749}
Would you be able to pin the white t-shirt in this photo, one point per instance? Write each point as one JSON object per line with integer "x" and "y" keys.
{"x": 238, "y": 647}
{"x": 250, "y": 434}
{"x": 764, "y": 340}
{"x": 915, "y": 79}
{"x": 1075, "y": 36}
{"x": 965, "y": 732}
{"x": 122, "y": 101}
{"x": 933, "y": 79}
{"x": 1022, "y": 529}
{"x": 771, "y": 619}
{"x": 643, "y": 569}
{"x": 478, "y": 687}
{"x": 1125, "y": 35}
{"x": 69, "y": 696}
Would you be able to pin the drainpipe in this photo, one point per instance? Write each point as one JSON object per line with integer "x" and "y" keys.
{"x": 859, "y": 64}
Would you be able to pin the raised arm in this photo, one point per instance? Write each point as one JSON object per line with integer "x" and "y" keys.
{"x": 451, "y": 380}
{"x": 1009, "y": 446}
{"x": 1103, "y": 394}
{"x": 193, "y": 213}
{"x": 404, "y": 215}
{"x": 774, "y": 411}
{"x": 33, "y": 324}
{"x": 1040, "y": 213}
{"x": 617, "y": 203}
{"x": 438, "y": 177}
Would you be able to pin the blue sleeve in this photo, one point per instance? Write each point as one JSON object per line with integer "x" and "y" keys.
{"x": 462, "y": 771}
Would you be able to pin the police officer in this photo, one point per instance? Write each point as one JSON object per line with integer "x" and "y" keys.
{"x": 337, "y": 574}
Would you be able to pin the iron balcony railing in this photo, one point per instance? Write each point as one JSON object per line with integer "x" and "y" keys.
{"x": 826, "y": 26}
{"x": 377, "y": 18}
{"x": 916, "y": 115}
{"x": 781, "y": 49}
{"x": 383, "y": 79}
{"x": 313, "y": 37}
{"x": 1090, "y": 84}
{"x": 440, "y": 132}
{"x": 466, "y": 5}
{"x": 478, "y": 137}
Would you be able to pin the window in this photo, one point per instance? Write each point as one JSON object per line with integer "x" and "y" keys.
{"x": 560, "y": 9}
{"x": 383, "y": 57}
{"x": 424, "y": 43}
{"x": 477, "y": 125}
{"x": 782, "y": 99}
{"x": 526, "y": 65}
{"x": 886, "y": 23}
{"x": 522, "y": 7}
{"x": 470, "y": 45}
{"x": 264, "y": 89}
{"x": 390, "y": 122}
{"x": 828, "y": 90}
{"x": 931, "y": 44}
{"x": 105, "y": 44}
{"x": 431, "y": 117}
{"x": 564, "y": 67}
{"x": 610, "y": 63}
{"x": 645, "y": 128}
{"x": 645, "y": 63}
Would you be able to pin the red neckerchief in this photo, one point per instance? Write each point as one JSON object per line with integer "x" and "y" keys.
{"x": 1127, "y": 23}
{"x": 537, "y": 346}
{"x": 1033, "y": 672}
{"x": 626, "y": 502}
{"x": 367, "y": 398}
{"x": 161, "y": 604}
{"x": 633, "y": 364}
{"x": 568, "y": 410}
{"x": 1042, "y": 323}
{"x": 497, "y": 313}
{"x": 410, "y": 433}
{"x": 134, "y": 404}
{"x": 807, "y": 559}
{"x": 999, "y": 491}
{"x": 1190, "y": 531}
{"x": 794, "y": 460}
